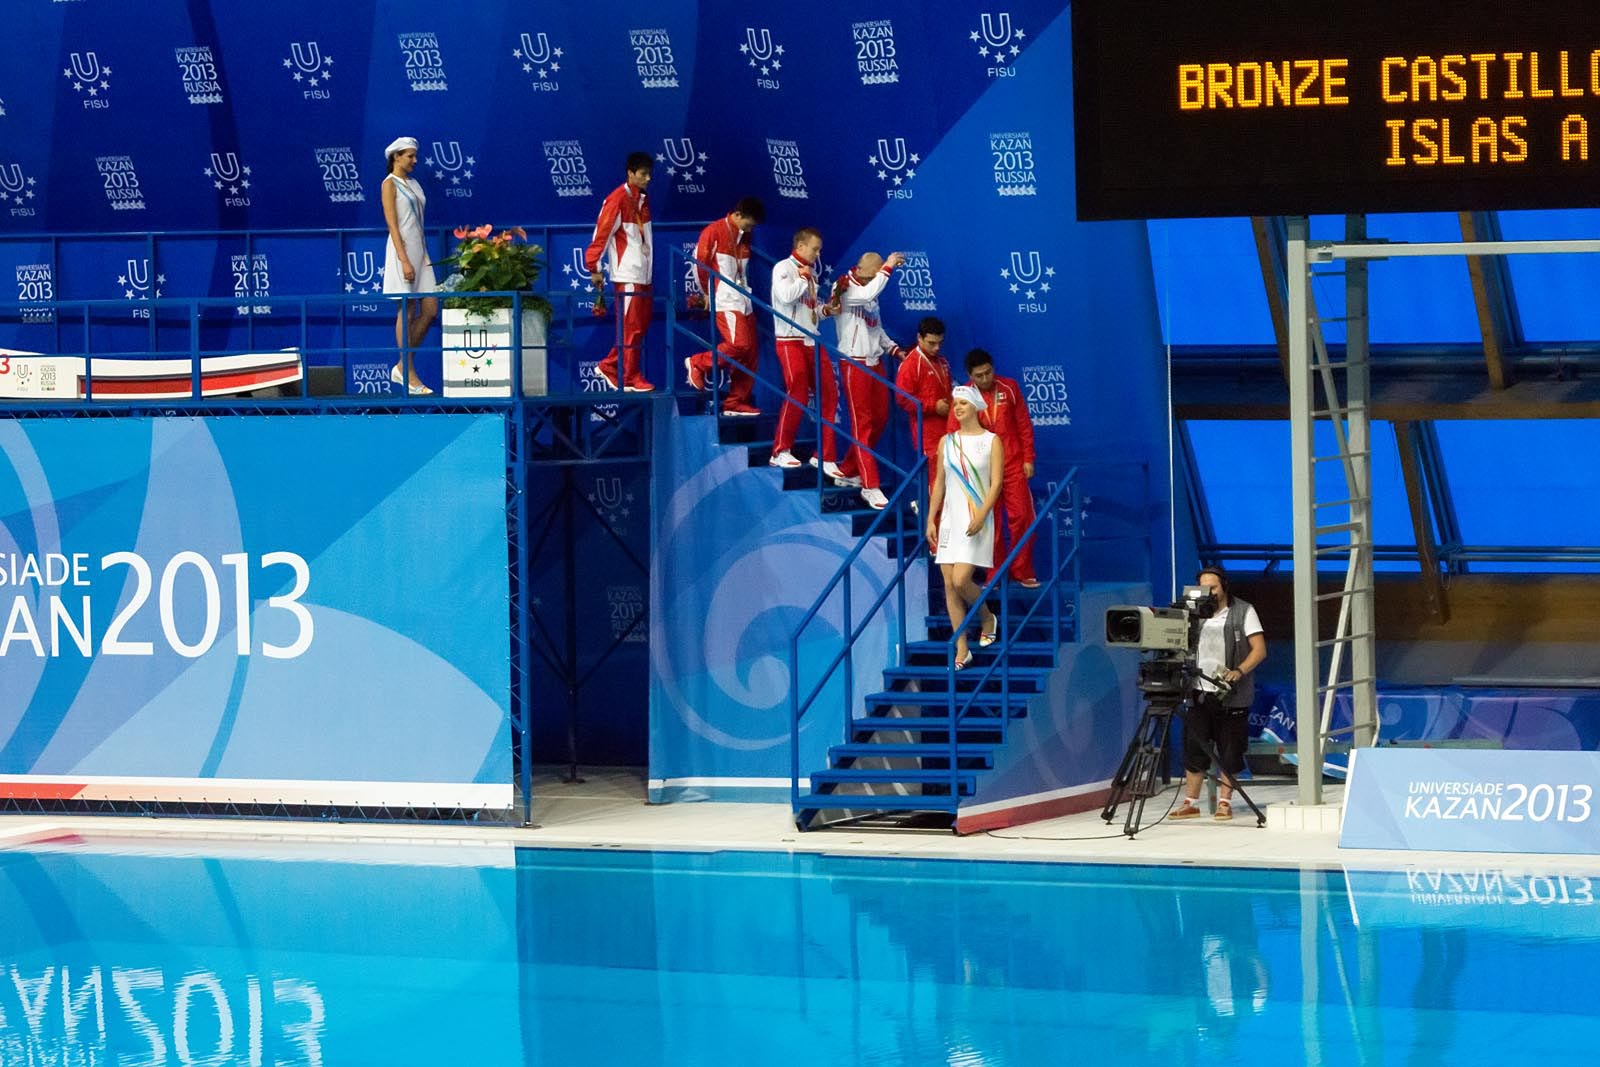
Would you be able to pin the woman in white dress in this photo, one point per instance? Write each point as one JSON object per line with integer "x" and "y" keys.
{"x": 406, "y": 267}
{"x": 961, "y": 514}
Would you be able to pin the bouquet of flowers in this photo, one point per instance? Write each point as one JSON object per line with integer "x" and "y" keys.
{"x": 487, "y": 262}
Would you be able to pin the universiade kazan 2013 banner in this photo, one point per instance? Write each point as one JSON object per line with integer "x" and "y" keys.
{"x": 287, "y": 609}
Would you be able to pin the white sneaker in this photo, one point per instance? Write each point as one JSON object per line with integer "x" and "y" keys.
{"x": 875, "y": 499}
{"x": 840, "y": 478}
{"x": 783, "y": 459}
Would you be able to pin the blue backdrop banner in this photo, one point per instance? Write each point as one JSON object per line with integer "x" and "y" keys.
{"x": 257, "y": 610}
{"x": 1473, "y": 800}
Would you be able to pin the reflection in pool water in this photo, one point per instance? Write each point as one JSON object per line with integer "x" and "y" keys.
{"x": 256, "y": 954}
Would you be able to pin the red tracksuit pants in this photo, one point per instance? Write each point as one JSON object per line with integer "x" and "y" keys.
{"x": 1016, "y": 501}
{"x": 930, "y": 450}
{"x": 739, "y": 355}
{"x": 798, "y": 359}
{"x": 866, "y": 397}
{"x": 634, "y": 307}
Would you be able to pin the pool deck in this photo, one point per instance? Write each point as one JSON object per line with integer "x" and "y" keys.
{"x": 607, "y": 810}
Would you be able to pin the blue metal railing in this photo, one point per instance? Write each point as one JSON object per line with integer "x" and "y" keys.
{"x": 297, "y": 316}
{"x": 850, "y": 631}
{"x": 1062, "y": 498}
{"x": 823, "y": 354}
{"x": 31, "y": 313}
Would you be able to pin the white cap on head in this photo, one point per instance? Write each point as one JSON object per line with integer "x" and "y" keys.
{"x": 970, "y": 395}
{"x": 400, "y": 144}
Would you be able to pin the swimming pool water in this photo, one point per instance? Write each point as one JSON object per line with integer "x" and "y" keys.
{"x": 114, "y": 952}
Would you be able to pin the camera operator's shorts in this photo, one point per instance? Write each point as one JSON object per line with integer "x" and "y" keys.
{"x": 1228, "y": 728}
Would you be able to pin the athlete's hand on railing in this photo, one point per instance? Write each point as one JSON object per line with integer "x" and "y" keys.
{"x": 696, "y": 305}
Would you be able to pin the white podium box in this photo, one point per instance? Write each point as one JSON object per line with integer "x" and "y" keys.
{"x": 477, "y": 353}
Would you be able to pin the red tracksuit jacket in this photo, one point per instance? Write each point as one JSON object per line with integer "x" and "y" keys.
{"x": 928, "y": 379}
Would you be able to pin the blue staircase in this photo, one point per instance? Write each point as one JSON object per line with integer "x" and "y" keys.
{"x": 914, "y": 749}
{"x": 921, "y": 744}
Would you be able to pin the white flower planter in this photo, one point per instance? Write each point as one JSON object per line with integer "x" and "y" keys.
{"x": 477, "y": 353}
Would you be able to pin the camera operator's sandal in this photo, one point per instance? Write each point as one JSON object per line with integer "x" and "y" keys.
{"x": 1224, "y": 811}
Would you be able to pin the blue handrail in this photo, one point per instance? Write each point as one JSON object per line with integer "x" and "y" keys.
{"x": 820, "y": 346}
{"x": 1000, "y": 578}
{"x": 296, "y": 311}
{"x": 851, "y": 632}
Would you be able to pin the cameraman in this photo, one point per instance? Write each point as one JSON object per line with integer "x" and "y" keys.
{"x": 1232, "y": 645}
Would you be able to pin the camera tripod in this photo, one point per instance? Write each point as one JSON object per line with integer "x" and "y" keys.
{"x": 1135, "y": 780}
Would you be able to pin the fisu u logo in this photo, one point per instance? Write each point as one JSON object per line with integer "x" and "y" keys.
{"x": 226, "y": 166}
{"x": 308, "y": 57}
{"x": 608, "y": 491}
{"x": 139, "y": 275}
{"x": 760, "y": 43}
{"x": 583, "y": 272}
{"x": 541, "y": 54}
{"x": 1033, "y": 272}
{"x": 85, "y": 66}
{"x": 991, "y": 36}
{"x": 895, "y": 160}
{"x": 360, "y": 267}
{"x": 680, "y": 152}
{"x": 477, "y": 341}
{"x": 11, "y": 179}
{"x": 447, "y": 160}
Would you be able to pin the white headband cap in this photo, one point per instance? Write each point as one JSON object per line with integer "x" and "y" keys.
{"x": 970, "y": 395}
{"x": 399, "y": 144}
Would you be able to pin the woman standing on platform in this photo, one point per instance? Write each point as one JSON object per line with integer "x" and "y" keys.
{"x": 961, "y": 514}
{"x": 406, "y": 267}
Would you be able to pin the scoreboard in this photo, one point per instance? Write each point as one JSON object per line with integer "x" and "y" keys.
{"x": 1273, "y": 107}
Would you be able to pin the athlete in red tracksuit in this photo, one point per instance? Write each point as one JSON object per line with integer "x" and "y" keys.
{"x": 796, "y": 315}
{"x": 925, "y": 375}
{"x": 1007, "y": 417}
{"x": 622, "y": 236}
{"x": 724, "y": 247}
{"x": 863, "y": 343}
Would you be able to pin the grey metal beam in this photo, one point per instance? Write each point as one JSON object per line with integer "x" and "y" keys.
{"x": 1199, "y": 506}
{"x": 1327, "y": 251}
{"x": 1433, "y": 593}
{"x": 1444, "y": 503}
{"x": 1489, "y": 287}
{"x": 1270, "y": 239}
{"x": 1358, "y": 424}
{"x": 1308, "y": 742}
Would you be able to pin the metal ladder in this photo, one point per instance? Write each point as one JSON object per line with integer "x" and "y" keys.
{"x": 1330, "y": 526}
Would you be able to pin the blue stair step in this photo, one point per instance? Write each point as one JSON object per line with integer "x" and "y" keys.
{"x": 937, "y": 678}
{"x": 890, "y": 724}
{"x": 744, "y": 430}
{"x": 1022, "y": 653}
{"x": 966, "y": 781}
{"x": 1035, "y": 629}
{"x": 986, "y": 703}
{"x": 887, "y": 802}
{"x": 970, "y": 754}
